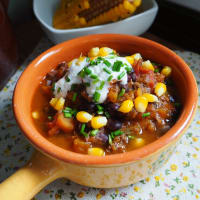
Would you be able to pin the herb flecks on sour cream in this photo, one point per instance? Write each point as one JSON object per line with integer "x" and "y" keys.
{"x": 96, "y": 75}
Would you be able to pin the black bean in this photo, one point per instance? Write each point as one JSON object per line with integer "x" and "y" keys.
{"x": 114, "y": 125}
{"x": 101, "y": 135}
{"x": 133, "y": 76}
{"x": 87, "y": 106}
{"x": 112, "y": 107}
{"x": 172, "y": 100}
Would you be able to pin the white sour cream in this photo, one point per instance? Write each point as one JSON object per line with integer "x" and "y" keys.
{"x": 97, "y": 80}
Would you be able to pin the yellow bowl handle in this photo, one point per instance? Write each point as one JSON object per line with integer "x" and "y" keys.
{"x": 29, "y": 180}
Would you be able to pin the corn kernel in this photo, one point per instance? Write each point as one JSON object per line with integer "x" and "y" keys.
{"x": 82, "y": 21}
{"x": 96, "y": 151}
{"x": 105, "y": 51}
{"x": 86, "y": 4}
{"x": 137, "y": 142}
{"x": 35, "y": 115}
{"x": 70, "y": 63}
{"x": 160, "y": 89}
{"x": 130, "y": 59}
{"x": 166, "y": 71}
{"x": 53, "y": 101}
{"x": 128, "y": 6}
{"x": 136, "y": 56}
{"x": 76, "y": 18}
{"x": 126, "y": 106}
{"x": 141, "y": 104}
{"x": 59, "y": 104}
{"x": 80, "y": 60}
{"x": 93, "y": 52}
{"x": 137, "y": 2}
{"x": 147, "y": 65}
{"x": 83, "y": 117}
{"x": 139, "y": 92}
{"x": 150, "y": 97}
{"x": 98, "y": 122}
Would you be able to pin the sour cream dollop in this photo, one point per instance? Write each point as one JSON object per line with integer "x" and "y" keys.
{"x": 96, "y": 75}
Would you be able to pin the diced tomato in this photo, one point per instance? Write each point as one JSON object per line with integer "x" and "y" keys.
{"x": 137, "y": 65}
{"x": 66, "y": 124}
{"x": 151, "y": 79}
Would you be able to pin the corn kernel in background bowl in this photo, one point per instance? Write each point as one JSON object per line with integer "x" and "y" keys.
{"x": 135, "y": 25}
{"x": 85, "y": 13}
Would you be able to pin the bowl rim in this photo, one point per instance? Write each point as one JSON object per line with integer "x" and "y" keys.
{"x": 170, "y": 136}
{"x": 52, "y": 29}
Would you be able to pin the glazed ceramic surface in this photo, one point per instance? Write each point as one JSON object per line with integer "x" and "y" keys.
{"x": 136, "y": 25}
{"x": 177, "y": 180}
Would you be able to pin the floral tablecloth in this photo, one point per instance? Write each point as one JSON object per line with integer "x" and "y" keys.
{"x": 179, "y": 179}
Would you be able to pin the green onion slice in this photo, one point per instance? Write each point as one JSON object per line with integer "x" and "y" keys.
{"x": 96, "y": 96}
{"x": 107, "y": 63}
{"x": 107, "y": 71}
{"x": 146, "y": 114}
{"x": 117, "y": 66}
{"x": 121, "y": 75}
{"x": 110, "y": 78}
{"x": 122, "y": 92}
{"x": 94, "y": 132}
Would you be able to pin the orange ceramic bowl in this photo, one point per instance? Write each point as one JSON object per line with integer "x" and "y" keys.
{"x": 111, "y": 170}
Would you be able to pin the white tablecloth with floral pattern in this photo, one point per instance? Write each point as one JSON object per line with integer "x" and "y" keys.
{"x": 179, "y": 179}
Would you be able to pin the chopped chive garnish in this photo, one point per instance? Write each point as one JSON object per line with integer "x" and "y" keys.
{"x": 49, "y": 117}
{"x": 99, "y": 59}
{"x": 94, "y": 132}
{"x": 146, "y": 114}
{"x": 101, "y": 85}
{"x": 67, "y": 109}
{"x": 100, "y": 112}
{"x": 100, "y": 108}
{"x": 107, "y": 71}
{"x": 122, "y": 92}
{"x": 74, "y": 96}
{"x": 82, "y": 73}
{"x": 83, "y": 128}
{"x": 67, "y": 79}
{"x": 68, "y": 112}
{"x": 128, "y": 69}
{"x": 96, "y": 96}
{"x": 67, "y": 115}
{"x": 117, "y": 66}
{"x": 116, "y": 133}
{"x": 93, "y": 76}
{"x": 59, "y": 90}
{"x": 93, "y": 62}
{"x": 110, "y": 78}
{"x": 156, "y": 70}
{"x": 121, "y": 75}
{"x": 53, "y": 87}
{"x": 87, "y": 71}
{"x": 107, "y": 63}
{"x": 95, "y": 81}
{"x": 131, "y": 137}
{"x": 110, "y": 139}
{"x": 87, "y": 84}
{"x": 107, "y": 114}
{"x": 88, "y": 59}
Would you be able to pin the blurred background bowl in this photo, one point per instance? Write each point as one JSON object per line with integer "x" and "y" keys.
{"x": 134, "y": 25}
